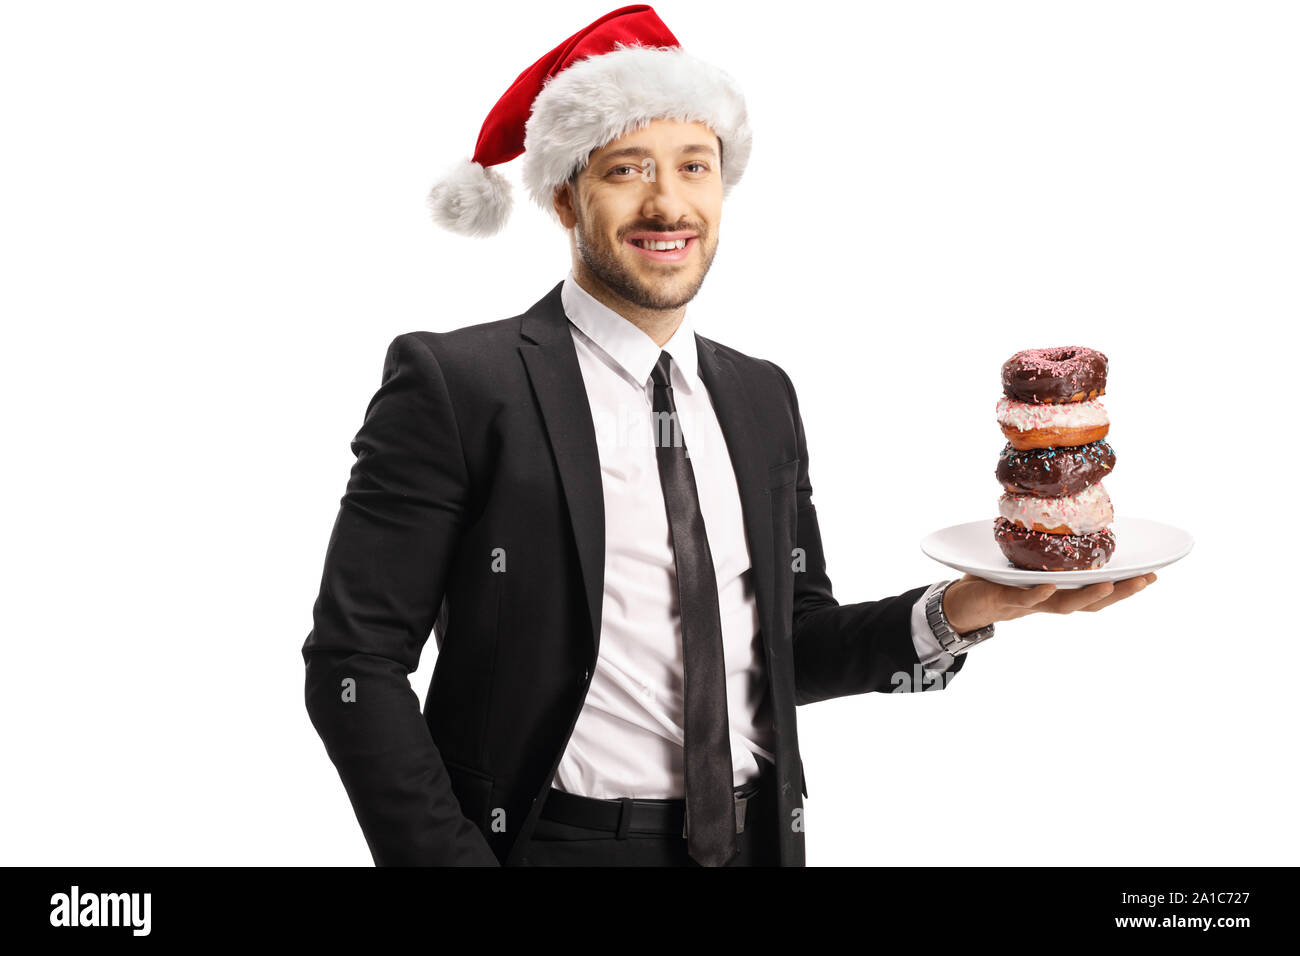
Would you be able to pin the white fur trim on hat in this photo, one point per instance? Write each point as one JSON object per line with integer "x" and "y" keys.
{"x": 602, "y": 98}
{"x": 471, "y": 200}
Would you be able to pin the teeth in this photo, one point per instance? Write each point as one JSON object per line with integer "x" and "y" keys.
{"x": 648, "y": 244}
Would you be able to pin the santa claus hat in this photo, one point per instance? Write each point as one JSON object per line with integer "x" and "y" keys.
{"x": 607, "y": 80}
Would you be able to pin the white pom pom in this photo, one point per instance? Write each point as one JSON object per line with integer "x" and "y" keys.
{"x": 471, "y": 199}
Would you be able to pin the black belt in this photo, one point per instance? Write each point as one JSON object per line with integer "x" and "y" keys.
{"x": 627, "y": 815}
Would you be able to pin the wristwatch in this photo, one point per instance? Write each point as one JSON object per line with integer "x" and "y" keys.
{"x": 950, "y": 640}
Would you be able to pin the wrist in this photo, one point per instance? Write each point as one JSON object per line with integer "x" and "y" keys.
{"x": 957, "y": 610}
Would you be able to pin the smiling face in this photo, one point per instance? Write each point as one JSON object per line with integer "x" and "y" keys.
{"x": 660, "y": 183}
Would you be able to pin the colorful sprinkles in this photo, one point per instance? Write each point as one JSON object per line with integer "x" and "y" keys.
{"x": 1064, "y": 360}
{"x": 1093, "y": 451}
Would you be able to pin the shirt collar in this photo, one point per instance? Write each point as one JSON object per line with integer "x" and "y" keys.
{"x": 630, "y": 348}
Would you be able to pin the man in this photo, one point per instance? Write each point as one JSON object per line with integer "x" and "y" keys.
{"x": 606, "y": 519}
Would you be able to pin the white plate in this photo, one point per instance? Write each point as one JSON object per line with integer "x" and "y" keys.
{"x": 1140, "y": 546}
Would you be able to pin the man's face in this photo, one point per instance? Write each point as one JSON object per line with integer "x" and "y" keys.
{"x": 658, "y": 183}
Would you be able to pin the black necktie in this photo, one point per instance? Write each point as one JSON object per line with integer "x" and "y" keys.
{"x": 710, "y": 806}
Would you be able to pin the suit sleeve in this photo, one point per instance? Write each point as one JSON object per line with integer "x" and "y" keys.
{"x": 381, "y": 589}
{"x": 847, "y": 649}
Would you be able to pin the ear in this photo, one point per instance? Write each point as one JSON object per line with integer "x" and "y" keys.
{"x": 563, "y": 202}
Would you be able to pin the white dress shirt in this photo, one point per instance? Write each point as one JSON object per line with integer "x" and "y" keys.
{"x": 628, "y": 739}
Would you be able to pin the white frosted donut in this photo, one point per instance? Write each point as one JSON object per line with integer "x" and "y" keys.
{"x": 1083, "y": 513}
{"x": 1026, "y": 416}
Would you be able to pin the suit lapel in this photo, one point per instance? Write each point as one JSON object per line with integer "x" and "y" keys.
{"x": 551, "y": 361}
{"x": 552, "y": 364}
{"x": 734, "y": 407}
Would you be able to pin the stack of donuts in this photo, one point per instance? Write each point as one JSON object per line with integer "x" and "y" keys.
{"x": 1054, "y": 514}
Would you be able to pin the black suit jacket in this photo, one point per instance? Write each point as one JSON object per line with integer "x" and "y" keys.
{"x": 480, "y": 446}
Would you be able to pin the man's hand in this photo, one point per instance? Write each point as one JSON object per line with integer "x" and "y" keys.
{"x": 972, "y": 602}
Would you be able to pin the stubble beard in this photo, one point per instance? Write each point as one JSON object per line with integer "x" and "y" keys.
{"x": 606, "y": 265}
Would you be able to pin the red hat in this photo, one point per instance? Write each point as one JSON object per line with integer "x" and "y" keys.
{"x": 607, "y": 80}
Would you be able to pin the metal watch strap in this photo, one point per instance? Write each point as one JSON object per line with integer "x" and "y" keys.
{"x": 949, "y": 639}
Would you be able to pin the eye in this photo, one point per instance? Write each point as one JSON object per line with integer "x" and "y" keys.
{"x": 703, "y": 168}
{"x": 624, "y": 166}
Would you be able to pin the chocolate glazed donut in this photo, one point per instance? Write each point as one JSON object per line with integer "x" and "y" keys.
{"x": 1036, "y": 551}
{"x": 1053, "y": 472}
{"x": 1052, "y": 376}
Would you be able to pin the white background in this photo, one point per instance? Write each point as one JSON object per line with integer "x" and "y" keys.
{"x": 213, "y": 223}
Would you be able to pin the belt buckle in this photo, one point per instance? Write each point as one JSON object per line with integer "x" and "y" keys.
{"x": 740, "y": 800}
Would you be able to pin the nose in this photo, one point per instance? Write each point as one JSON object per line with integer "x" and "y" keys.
{"x": 664, "y": 200}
